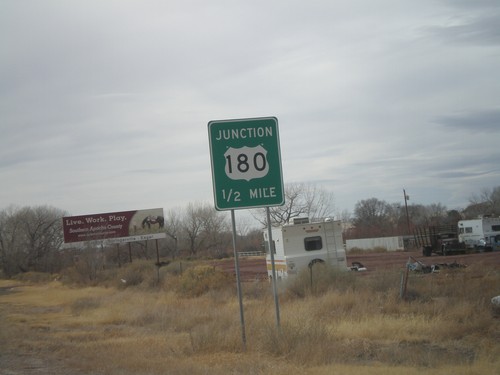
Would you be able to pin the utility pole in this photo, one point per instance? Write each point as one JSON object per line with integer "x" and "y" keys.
{"x": 407, "y": 198}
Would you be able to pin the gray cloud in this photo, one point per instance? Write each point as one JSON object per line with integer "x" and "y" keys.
{"x": 470, "y": 22}
{"x": 482, "y": 31}
{"x": 104, "y": 106}
{"x": 479, "y": 121}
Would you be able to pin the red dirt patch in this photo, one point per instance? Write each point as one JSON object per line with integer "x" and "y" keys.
{"x": 253, "y": 268}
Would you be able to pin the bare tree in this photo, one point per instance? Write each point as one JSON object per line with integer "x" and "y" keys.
{"x": 243, "y": 226}
{"x": 193, "y": 226}
{"x": 252, "y": 241}
{"x": 372, "y": 218}
{"x": 11, "y": 246}
{"x": 30, "y": 239}
{"x": 346, "y": 217}
{"x": 300, "y": 200}
{"x": 89, "y": 261}
{"x": 216, "y": 231}
{"x": 486, "y": 203}
{"x": 494, "y": 201}
{"x": 418, "y": 215}
{"x": 173, "y": 228}
{"x": 206, "y": 229}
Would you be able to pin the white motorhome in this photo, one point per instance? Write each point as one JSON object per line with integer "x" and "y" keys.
{"x": 301, "y": 244}
{"x": 482, "y": 233}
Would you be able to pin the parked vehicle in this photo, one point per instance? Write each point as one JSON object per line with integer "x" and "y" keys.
{"x": 441, "y": 240}
{"x": 303, "y": 244}
{"x": 482, "y": 233}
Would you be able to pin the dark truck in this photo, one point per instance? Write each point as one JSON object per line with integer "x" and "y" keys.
{"x": 439, "y": 240}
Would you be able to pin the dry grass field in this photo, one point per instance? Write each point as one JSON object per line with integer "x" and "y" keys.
{"x": 188, "y": 323}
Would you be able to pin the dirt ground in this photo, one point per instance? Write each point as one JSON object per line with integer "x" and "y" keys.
{"x": 20, "y": 359}
{"x": 252, "y": 268}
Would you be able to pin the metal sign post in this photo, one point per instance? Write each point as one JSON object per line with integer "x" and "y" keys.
{"x": 273, "y": 267}
{"x": 238, "y": 283}
{"x": 246, "y": 173}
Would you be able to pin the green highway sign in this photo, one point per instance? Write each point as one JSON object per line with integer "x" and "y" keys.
{"x": 246, "y": 163}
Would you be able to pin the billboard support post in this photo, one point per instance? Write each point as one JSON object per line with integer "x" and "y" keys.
{"x": 157, "y": 254}
{"x": 158, "y": 264}
{"x": 118, "y": 255}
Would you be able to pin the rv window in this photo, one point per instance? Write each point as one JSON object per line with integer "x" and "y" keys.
{"x": 461, "y": 231}
{"x": 495, "y": 228}
{"x": 313, "y": 243}
{"x": 468, "y": 230}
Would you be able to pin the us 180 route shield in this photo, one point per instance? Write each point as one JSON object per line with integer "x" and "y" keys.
{"x": 246, "y": 163}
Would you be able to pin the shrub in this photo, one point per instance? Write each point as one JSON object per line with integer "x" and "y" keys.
{"x": 135, "y": 274}
{"x": 319, "y": 279}
{"x": 298, "y": 342}
{"x": 200, "y": 279}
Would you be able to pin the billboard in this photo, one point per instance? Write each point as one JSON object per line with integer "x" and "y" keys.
{"x": 115, "y": 227}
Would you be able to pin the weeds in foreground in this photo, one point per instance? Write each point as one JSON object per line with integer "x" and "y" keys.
{"x": 340, "y": 320}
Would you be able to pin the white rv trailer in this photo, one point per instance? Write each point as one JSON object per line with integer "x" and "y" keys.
{"x": 301, "y": 244}
{"x": 482, "y": 233}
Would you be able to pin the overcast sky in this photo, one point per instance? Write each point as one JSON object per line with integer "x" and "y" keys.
{"x": 104, "y": 104}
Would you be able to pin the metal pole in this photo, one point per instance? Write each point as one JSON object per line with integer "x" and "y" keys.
{"x": 157, "y": 254}
{"x": 157, "y": 263}
{"x": 406, "y": 208}
{"x": 405, "y": 284}
{"x": 118, "y": 254}
{"x": 273, "y": 267}
{"x": 238, "y": 283}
